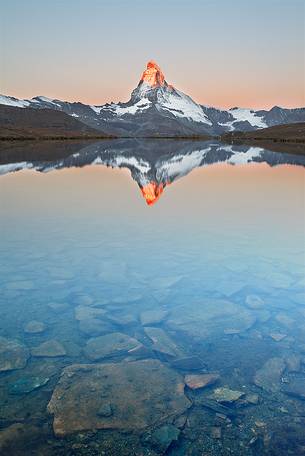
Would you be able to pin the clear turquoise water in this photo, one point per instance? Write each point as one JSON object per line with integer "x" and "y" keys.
{"x": 221, "y": 253}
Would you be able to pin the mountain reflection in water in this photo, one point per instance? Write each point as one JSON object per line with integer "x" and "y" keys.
{"x": 153, "y": 164}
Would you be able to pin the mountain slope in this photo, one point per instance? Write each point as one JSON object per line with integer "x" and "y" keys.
{"x": 157, "y": 108}
{"x": 16, "y": 122}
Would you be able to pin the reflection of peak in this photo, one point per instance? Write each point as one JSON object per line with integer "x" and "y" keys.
{"x": 152, "y": 164}
{"x": 152, "y": 192}
{"x": 153, "y": 75}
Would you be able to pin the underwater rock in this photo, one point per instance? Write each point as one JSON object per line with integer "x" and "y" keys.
{"x": 162, "y": 343}
{"x": 13, "y": 355}
{"x": 293, "y": 362}
{"x": 295, "y": 387}
{"x": 254, "y": 302}
{"x": 210, "y": 317}
{"x": 252, "y": 398}
{"x": 123, "y": 319}
{"x": 112, "y": 344}
{"x": 85, "y": 312}
{"x": 141, "y": 393}
{"x": 105, "y": 410}
{"x": 58, "y": 306}
{"x": 151, "y": 317}
{"x": 196, "y": 381}
{"x": 216, "y": 432}
{"x": 163, "y": 437}
{"x": 27, "y": 384}
{"x": 285, "y": 320}
{"x": 269, "y": 375}
{"x": 34, "y": 327}
{"x": 192, "y": 363}
{"x": 277, "y": 336}
{"x": 226, "y": 395}
{"x": 216, "y": 407}
{"x": 50, "y": 348}
{"x": 95, "y": 327}
{"x": 14, "y": 438}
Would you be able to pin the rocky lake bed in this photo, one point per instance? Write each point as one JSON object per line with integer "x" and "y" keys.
{"x": 132, "y": 330}
{"x": 211, "y": 375}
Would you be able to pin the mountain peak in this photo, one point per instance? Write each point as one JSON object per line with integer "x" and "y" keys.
{"x": 153, "y": 74}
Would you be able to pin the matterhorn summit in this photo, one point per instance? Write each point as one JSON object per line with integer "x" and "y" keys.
{"x": 153, "y": 75}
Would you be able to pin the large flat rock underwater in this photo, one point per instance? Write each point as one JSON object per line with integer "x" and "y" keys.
{"x": 126, "y": 396}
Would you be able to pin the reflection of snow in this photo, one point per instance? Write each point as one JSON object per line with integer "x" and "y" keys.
{"x": 245, "y": 157}
{"x": 121, "y": 161}
{"x": 11, "y": 167}
{"x": 180, "y": 165}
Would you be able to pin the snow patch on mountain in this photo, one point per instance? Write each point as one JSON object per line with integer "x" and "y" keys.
{"x": 96, "y": 109}
{"x": 11, "y": 101}
{"x": 140, "y": 106}
{"x": 182, "y": 105}
{"x": 244, "y": 114}
{"x": 44, "y": 100}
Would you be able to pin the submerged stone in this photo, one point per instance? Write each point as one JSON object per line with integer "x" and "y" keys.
{"x": 122, "y": 319}
{"x": 293, "y": 362}
{"x": 58, "y": 306}
{"x": 285, "y": 320}
{"x": 269, "y": 375}
{"x": 95, "y": 327}
{"x": 196, "y": 381}
{"x": 277, "y": 337}
{"x": 15, "y": 438}
{"x": 252, "y": 398}
{"x": 110, "y": 345}
{"x": 162, "y": 343}
{"x": 216, "y": 432}
{"x": 254, "y": 302}
{"x": 83, "y": 300}
{"x": 105, "y": 410}
{"x": 34, "y": 327}
{"x": 151, "y": 317}
{"x": 86, "y": 312}
{"x": 13, "y": 355}
{"x": 295, "y": 387}
{"x": 163, "y": 437}
{"x": 210, "y": 317}
{"x": 192, "y": 363}
{"x": 50, "y": 348}
{"x": 141, "y": 394}
{"x": 226, "y": 395}
{"x": 28, "y": 384}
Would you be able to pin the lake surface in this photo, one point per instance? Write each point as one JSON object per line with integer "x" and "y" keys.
{"x": 152, "y": 299}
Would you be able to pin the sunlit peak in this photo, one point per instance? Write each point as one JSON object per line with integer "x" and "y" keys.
{"x": 153, "y": 74}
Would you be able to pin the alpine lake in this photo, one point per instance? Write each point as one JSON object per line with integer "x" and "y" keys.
{"x": 152, "y": 299}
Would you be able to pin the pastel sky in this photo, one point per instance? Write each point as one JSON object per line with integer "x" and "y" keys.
{"x": 224, "y": 53}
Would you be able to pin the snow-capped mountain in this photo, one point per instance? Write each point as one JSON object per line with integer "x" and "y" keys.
{"x": 157, "y": 108}
{"x": 152, "y": 164}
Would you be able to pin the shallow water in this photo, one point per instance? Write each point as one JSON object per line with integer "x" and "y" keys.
{"x": 209, "y": 239}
